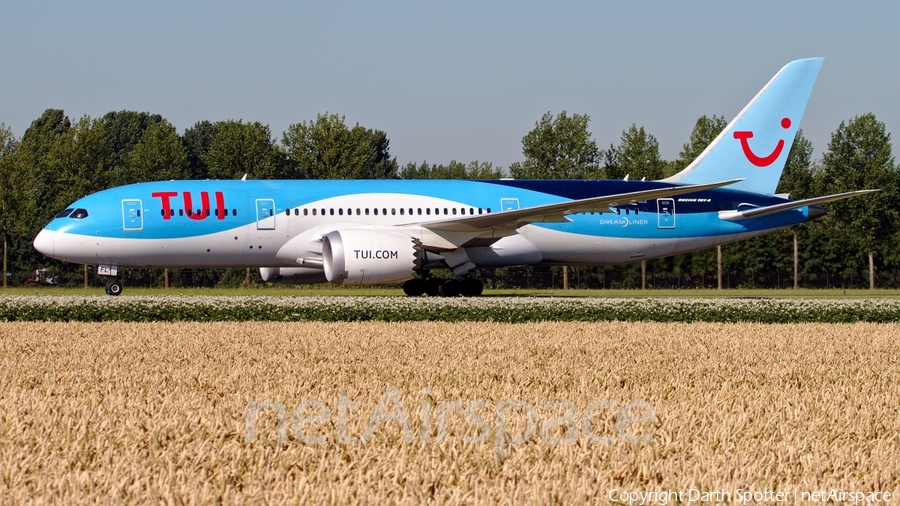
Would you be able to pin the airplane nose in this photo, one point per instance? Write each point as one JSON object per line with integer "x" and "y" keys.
{"x": 44, "y": 242}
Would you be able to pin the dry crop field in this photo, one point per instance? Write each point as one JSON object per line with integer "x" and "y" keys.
{"x": 443, "y": 412}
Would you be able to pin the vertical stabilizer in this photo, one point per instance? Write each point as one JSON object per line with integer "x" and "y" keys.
{"x": 755, "y": 145}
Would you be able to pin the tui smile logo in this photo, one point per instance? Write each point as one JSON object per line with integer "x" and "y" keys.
{"x": 761, "y": 161}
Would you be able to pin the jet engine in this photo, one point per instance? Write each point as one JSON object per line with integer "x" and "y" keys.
{"x": 369, "y": 257}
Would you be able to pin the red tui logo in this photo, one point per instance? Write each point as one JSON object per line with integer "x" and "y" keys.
{"x": 761, "y": 161}
{"x": 195, "y": 214}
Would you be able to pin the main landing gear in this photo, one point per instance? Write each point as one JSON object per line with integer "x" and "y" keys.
{"x": 437, "y": 287}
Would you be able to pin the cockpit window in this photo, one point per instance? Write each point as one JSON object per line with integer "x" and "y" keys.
{"x": 79, "y": 214}
{"x": 64, "y": 213}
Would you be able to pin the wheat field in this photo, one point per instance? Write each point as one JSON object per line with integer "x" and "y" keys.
{"x": 444, "y": 413}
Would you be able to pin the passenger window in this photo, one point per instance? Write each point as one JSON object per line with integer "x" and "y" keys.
{"x": 401, "y": 211}
{"x": 305, "y": 212}
{"x": 428, "y": 211}
{"x": 420, "y": 211}
{"x": 331, "y": 211}
{"x": 234, "y": 212}
{"x": 394, "y": 211}
{"x": 341, "y": 211}
{"x": 454, "y": 211}
{"x": 367, "y": 211}
{"x": 357, "y": 211}
{"x": 383, "y": 211}
{"x": 181, "y": 212}
{"x": 314, "y": 212}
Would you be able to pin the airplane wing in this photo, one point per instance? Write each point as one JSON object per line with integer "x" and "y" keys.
{"x": 759, "y": 212}
{"x": 556, "y": 212}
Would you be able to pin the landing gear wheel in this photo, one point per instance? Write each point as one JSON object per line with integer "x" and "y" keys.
{"x": 432, "y": 285}
{"x": 114, "y": 288}
{"x": 449, "y": 288}
{"x": 414, "y": 287}
{"x": 471, "y": 287}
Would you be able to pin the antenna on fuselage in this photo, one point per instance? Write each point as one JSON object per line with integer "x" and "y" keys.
{"x": 244, "y": 178}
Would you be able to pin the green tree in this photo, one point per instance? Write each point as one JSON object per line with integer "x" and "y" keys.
{"x": 327, "y": 149}
{"x": 159, "y": 156}
{"x": 197, "y": 141}
{"x": 454, "y": 170}
{"x": 859, "y": 157}
{"x": 705, "y": 131}
{"x": 65, "y": 162}
{"x": 636, "y": 156}
{"x": 33, "y": 149}
{"x": 79, "y": 163}
{"x": 240, "y": 148}
{"x": 558, "y": 148}
{"x": 15, "y": 203}
{"x": 124, "y": 130}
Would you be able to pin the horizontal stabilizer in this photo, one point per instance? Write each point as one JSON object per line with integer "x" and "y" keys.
{"x": 759, "y": 212}
{"x": 556, "y": 212}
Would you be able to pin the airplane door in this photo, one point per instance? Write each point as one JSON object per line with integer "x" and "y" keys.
{"x": 665, "y": 209}
{"x": 131, "y": 215}
{"x": 265, "y": 214}
{"x": 508, "y": 204}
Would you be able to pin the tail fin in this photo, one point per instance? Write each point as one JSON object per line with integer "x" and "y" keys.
{"x": 755, "y": 145}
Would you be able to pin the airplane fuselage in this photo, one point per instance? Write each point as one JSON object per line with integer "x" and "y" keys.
{"x": 224, "y": 223}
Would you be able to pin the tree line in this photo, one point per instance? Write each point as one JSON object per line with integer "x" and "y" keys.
{"x": 58, "y": 160}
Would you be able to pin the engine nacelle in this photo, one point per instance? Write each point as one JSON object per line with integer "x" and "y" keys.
{"x": 368, "y": 257}
{"x": 292, "y": 275}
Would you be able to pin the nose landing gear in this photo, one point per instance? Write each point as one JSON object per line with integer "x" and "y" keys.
{"x": 114, "y": 287}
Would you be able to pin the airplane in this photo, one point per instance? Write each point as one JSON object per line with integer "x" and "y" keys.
{"x": 368, "y": 232}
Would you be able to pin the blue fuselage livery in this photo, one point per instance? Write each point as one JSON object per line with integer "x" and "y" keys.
{"x": 389, "y": 231}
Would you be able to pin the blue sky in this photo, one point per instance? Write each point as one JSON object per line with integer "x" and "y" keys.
{"x": 447, "y": 80}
